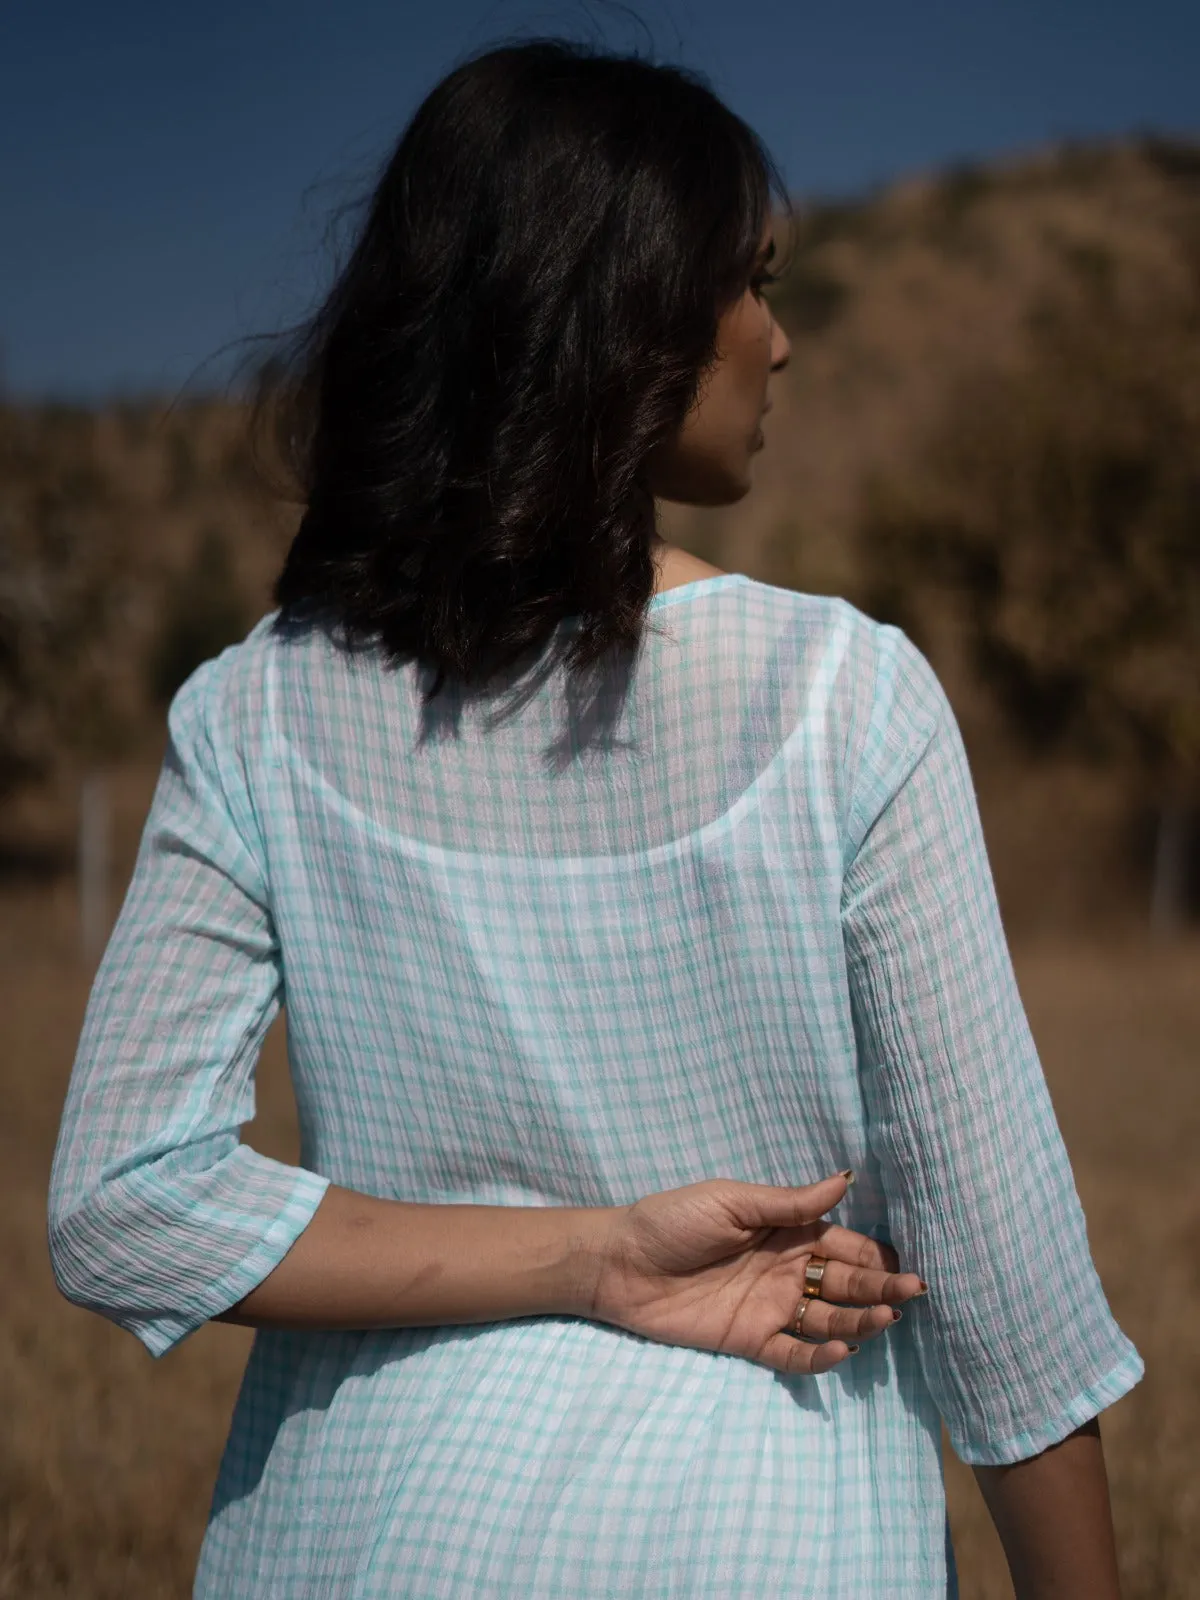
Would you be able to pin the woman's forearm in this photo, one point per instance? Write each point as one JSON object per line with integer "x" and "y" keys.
{"x": 1054, "y": 1520}
{"x": 369, "y": 1263}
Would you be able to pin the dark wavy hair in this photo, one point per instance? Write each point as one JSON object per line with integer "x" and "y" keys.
{"x": 527, "y": 311}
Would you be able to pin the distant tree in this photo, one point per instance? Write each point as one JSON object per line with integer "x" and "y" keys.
{"x": 183, "y": 469}
{"x": 811, "y": 294}
{"x": 1056, "y": 514}
{"x": 67, "y": 699}
{"x": 202, "y": 612}
{"x": 64, "y": 597}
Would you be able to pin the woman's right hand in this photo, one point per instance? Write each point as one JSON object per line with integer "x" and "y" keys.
{"x": 719, "y": 1266}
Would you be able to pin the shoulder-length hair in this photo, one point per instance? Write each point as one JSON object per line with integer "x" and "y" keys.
{"x": 527, "y": 311}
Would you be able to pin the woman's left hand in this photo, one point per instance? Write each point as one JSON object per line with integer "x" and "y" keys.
{"x": 720, "y": 1265}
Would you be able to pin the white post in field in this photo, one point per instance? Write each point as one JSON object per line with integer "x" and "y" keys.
{"x": 1167, "y": 892}
{"x": 94, "y": 829}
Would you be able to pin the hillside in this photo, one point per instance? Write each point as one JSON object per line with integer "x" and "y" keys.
{"x": 893, "y": 300}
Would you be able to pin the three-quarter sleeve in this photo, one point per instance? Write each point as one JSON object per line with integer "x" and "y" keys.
{"x": 160, "y": 1217}
{"x": 1016, "y": 1340}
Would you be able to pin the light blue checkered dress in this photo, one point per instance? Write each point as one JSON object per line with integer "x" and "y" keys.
{"x": 739, "y": 923}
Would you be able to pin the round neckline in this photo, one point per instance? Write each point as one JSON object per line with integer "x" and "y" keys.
{"x": 677, "y": 593}
{"x": 695, "y": 586}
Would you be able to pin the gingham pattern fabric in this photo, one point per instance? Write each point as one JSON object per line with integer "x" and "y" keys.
{"x": 747, "y": 928}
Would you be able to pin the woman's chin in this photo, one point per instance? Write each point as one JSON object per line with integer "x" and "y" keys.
{"x": 730, "y": 487}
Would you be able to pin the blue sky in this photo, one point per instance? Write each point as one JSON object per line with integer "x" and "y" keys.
{"x": 167, "y": 170}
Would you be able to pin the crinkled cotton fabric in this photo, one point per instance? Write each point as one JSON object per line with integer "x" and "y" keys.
{"x": 727, "y": 913}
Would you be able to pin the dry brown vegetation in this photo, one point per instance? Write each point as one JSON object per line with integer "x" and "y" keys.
{"x": 118, "y": 530}
{"x": 108, "y": 1458}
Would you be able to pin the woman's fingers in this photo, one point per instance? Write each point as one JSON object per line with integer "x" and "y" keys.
{"x": 839, "y": 1330}
{"x": 843, "y": 1244}
{"x": 764, "y": 1205}
{"x": 758, "y": 1205}
{"x": 782, "y": 1353}
{"x": 850, "y": 1323}
{"x": 865, "y": 1286}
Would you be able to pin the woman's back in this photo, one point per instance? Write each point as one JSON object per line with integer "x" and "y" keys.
{"x": 565, "y": 975}
{"x": 747, "y": 930}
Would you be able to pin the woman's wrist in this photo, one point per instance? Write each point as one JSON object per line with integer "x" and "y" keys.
{"x": 560, "y": 1255}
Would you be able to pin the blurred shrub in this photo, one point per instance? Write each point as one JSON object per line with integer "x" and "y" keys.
{"x": 183, "y": 469}
{"x": 202, "y": 612}
{"x": 809, "y": 298}
{"x": 1059, "y": 511}
{"x": 1177, "y": 159}
{"x": 1055, "y": 512}
{"x": 822, "y": 222}
{"x": 64, "y": 597}
{"x": 961, "y": 187}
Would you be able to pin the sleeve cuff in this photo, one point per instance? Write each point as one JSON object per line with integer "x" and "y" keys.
{"x": 1089, "y": 1403}
{"x": 161, "y": 1334}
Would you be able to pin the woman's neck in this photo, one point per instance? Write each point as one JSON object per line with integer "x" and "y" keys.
{"x": 675, "y": 566}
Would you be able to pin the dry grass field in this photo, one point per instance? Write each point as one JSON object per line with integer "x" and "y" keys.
{"x": 108, "y": 1458}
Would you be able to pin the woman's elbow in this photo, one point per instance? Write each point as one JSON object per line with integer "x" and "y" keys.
{"x": 77, "y": 1241}
{"x": 102, "y": 1251}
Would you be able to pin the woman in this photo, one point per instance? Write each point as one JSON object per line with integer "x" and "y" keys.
{"x": 610, "y": 895}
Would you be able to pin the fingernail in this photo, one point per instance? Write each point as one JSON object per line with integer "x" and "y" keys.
{"x": 896, "y": 1314}
{"x": 849, "y": 1176}
{"x": 853, "y": 1349}
{"x": 924, "y": 1289}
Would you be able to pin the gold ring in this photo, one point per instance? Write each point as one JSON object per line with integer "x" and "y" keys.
{"x": 798, "y": 1319}
{"x": 814, "y": 1274}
